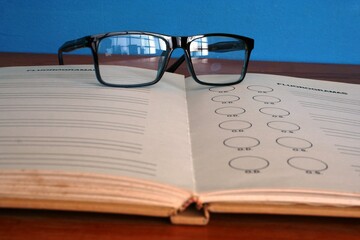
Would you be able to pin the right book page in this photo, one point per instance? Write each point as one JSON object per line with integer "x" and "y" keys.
{"x": 276, "y": 135}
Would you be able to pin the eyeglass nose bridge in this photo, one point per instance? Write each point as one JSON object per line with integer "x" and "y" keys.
{"x": 178, "y": 42}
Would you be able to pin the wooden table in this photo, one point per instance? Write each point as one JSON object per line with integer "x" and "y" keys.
{"x": 38, "y": 224}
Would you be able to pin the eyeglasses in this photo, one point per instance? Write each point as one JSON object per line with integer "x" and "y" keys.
{"x": 207, "y": 56}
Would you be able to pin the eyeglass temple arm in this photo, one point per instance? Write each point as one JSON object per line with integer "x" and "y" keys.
{"x": 215, "y": 47}
{"x": 71, "y": 46}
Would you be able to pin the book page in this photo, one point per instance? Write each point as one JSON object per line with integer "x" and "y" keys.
{"x": 59, "y": 118}
{"x": 275, "y": 132}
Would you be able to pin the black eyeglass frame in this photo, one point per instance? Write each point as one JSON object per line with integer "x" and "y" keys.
{"x": 172, "y": 43}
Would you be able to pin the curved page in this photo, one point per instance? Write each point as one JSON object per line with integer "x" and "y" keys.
{"x": 60, "y": 119}
{"x": 275, "y": 133}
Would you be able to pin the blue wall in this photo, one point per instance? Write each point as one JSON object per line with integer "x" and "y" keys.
{"x": 326, "y": 31}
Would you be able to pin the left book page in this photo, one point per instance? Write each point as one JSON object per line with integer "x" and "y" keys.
{"x": 59, "y": 126}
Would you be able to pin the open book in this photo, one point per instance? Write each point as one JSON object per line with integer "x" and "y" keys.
{"x": 271, "y": 144}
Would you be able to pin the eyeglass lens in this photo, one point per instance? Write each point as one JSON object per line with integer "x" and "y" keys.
{"x": 131, "y": 52}
{"x": 214, "y": 55}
